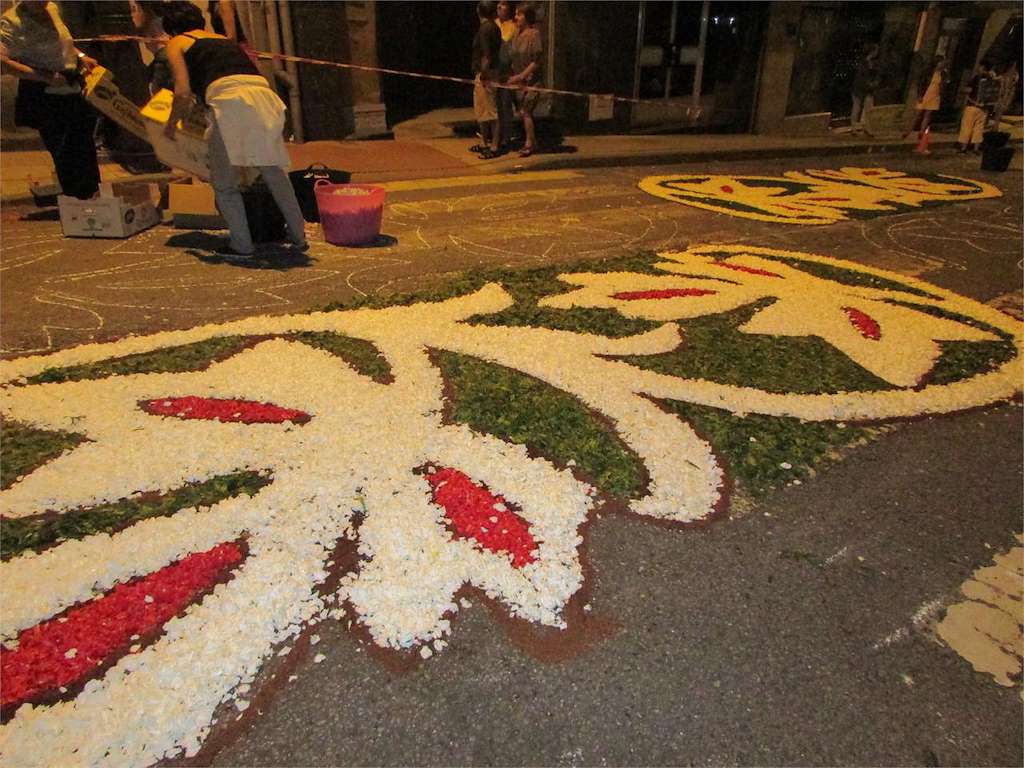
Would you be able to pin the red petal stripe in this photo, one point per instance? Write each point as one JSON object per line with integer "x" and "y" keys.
{"x": 245, "y": 411}
{"x": 470, "y": 508}
{"x": 94, "y": 631}
{"x": 663, "y": 293}
{"x": 748, "y": 270}
{"x": 864, "y": 323}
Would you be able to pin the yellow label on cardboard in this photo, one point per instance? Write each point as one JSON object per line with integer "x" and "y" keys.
{"x": 158, "y": 109}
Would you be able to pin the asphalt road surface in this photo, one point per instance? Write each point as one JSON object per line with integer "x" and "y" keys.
{"x": 60, "y": 292}
{"x": 799, "y": 632}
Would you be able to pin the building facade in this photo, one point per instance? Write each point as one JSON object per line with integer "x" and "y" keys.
{"x": 687, "y": 65}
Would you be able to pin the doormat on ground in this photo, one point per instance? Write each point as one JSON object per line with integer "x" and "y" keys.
{"x": 182, "y": 510}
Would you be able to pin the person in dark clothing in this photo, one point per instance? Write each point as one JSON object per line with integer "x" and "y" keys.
{"x": 225, "y": 21}
{"x": 486, "y": 48}
{"x": 146, "y": 19}
{"x": 36, "y": 47}
{"x": 246, "y": 118}
{"x": 865, "y": 82}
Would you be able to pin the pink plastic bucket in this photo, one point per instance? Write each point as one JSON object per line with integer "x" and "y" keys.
{"x": 350, "y": 214}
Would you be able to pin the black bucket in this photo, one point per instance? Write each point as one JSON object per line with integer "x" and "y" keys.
{"x": 994, "y": 139}
{"x": 996, "y": 158}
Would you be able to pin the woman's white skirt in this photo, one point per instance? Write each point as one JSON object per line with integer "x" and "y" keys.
{"x": 250, "y": 117}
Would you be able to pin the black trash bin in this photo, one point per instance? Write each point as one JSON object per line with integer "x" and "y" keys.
{"x": 994, "y": 139}
{"x": 266, "y": 222}
{"x": 998, "y": 159}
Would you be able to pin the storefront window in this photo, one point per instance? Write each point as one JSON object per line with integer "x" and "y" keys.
{"x": 832, "y": 38}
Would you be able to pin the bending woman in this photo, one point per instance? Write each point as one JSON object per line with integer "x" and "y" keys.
{"x": 246, "y": 119}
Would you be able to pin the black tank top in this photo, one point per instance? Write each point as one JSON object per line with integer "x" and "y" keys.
{"x": 210, "y": 58}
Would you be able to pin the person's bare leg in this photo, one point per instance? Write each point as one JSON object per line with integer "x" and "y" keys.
{"x": 496, "y": 136}
{"x": 926, "y": 121}
{"x": 531, "y": 132}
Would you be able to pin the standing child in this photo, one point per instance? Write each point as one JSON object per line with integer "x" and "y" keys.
{"x": 486, "y": 48}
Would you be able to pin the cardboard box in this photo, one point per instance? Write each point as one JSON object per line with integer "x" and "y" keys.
{"x": 192, "y": 206}
{"x": 45, "y": 193}
{"x": 106, "y": 97}
{"x": 132, "y": 191}
{"x": 105, "y": 217}
{"x": 189, "y": 149}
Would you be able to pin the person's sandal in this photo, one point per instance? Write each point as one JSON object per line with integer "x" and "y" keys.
{"x": 490, "y": 154}
{"x": 526, "y": 151}
{"x": 479, "y": 148}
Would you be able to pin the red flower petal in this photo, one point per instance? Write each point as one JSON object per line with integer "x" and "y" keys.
{"x": 864, "y": 323}
{"x": 663, "y": 293}
{"x": 244, "y": 411}
{"x": 470, "y": 508}
{"x": 748, "y": 270}
{"x": 64, "y": 651}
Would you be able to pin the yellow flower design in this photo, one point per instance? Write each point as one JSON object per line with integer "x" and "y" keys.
{"x": 816, "y": 196}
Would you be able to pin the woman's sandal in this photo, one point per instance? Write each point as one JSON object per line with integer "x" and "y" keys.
{"x": 526, "y": 151}
{"x": 479, "y": 148}
{"x": 490, "y": 154}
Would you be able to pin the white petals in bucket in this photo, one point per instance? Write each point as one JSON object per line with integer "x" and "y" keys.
{"x": 350, "y": 214}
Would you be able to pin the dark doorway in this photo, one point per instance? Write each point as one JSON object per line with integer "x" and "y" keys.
{"x": 959, "y": 39}
{"x": 832, "y": 39}
{"x": 430, "y": 37}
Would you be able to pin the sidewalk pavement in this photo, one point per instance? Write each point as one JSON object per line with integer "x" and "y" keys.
{"x": 378, "y": 161}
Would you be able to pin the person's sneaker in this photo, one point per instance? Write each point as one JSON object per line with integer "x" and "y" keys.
{"x": 228, "y": 253}
{"x": 300, "y": 247}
